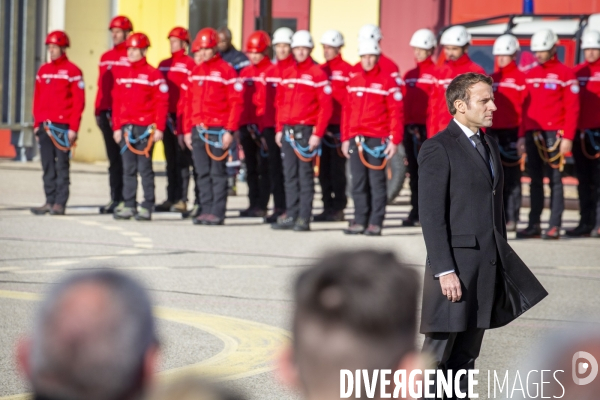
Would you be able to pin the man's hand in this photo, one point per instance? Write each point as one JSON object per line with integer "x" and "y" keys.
{"x": 451, "y": 287}
{"x": 181, "y": 142}
{"x": 72, "y": 136}
{"x": 227, "y": 139}
{"x": 278, "y": 137}
{"x": 158, "y": 135}
{"x": 566, "y": 145}
{"x": 118, "y": 135}
{"x": 521, "y": 146}
{"x": 346, "y": 148}
{"x": 313, "y": 142}
{"x": 187, "y": 139}
{"x": 390, "y": 150}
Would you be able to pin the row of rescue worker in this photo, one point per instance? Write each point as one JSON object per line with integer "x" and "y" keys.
{"x": 292, "y": 113}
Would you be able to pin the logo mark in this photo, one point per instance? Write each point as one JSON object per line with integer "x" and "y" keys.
{"x": 580, "y": 368}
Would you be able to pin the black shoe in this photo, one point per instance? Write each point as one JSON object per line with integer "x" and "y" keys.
{"x": 57, "y": 209}
{"x": 284, "y": 223}
{"x": 199, "y": 219}
{"x": 595, "y": 232}
{"x": 552, "y": 233}
{"x": 109, "y": 208}
{"x": 531, "y": 232}
{"x": 410, "y": 222}
{"x": 143, "y": 215}
{"x": 253, "y": 213}
{"x": 212, "y": 220}
{"x": 511, "y": 226}
{"x": 302, "y": 225}
{"x": 41, "y": 210}
{"x": 336, "y": 216}
{"x": 271, "y": 219}
{"x": 355, "y": 229}
{"x": 164, "y": 207}
{"x": 193, "y": 213}
{"x": 373, "y": 230}
{"x": 580, "y": 231}
{"x": 321, "y": 217}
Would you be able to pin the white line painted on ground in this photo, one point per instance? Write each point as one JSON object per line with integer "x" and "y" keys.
{"x": 141, "y": 239}
{"x": 130, "y": 251}
{"x": 61, "y": 263}
{"x": 129, "y": 233}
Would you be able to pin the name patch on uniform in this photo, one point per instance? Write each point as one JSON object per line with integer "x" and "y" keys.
{"x": 551, "y": 86}
{"x": 327, "y": 89}
{"x": 238, "y": 87}
{"x": 80, "y": 84}
{"x": 163, "y": 87}
{"x": 575, "y": 88}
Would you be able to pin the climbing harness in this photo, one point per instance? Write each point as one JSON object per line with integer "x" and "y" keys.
{"x": 60, "y": 137}
{"x": 130, "y": 141}
{"x": 304, "y": 153}
{"x": 376, "y": 152}
{"x": 204, "y": 133}
{"x": 545, "y": 151}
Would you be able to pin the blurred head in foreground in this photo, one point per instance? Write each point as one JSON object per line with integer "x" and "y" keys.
{"x": 93, "y": 338}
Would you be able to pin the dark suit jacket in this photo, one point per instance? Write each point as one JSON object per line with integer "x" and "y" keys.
{"x": 462, "y": 215}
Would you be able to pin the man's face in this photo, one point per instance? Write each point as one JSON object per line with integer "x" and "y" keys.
{"x": 368, "y": 61}
{"x": 224, "y": 42}
{"x": 421, "y": 54}
{"x": 197, "y": 57}
{"x": 481, "y": 105}
{"x": 330, "y": 52}
{"x": 591, "y": 55}
{"x": 118, "y": 35}
{"x": 134, "y": 54}
{"x": 207, "y": 54}
{"x": 55, "y": 51}
{"x": 176, "y": 44}
{"x": 453, "y": 53}
{"x": 282, "y": 51}
{"x": 301, "y": 53}
{"x": 255, "y": 58}
{"x": 544, "y": 56}
{"x": 503, "y": 61}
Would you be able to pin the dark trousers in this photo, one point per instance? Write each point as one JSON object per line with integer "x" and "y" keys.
{"x": 186, "y": 161}
{"x": 113, "y": 153}
{"x": 414, "y": 136}
{"x": 332, "y": 173}
{"x": 453, "y": 351}
{"x": 537, "y": 168}
{"x": 257, "y": 169}
{"x": 588, "y": 174}
{"x": 134, "y": 164}
{"x": 298, "y": 174}
{"x": 171, "y": 145}
{"x": 369, "y": 186}
{"x": 212, "y": 175}
{"x": 55, "y": 164}
{"x": 507, "y": 140}
{"x": 275, "y": 169}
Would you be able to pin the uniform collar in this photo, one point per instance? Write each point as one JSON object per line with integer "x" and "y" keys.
{"x": 286, "y": 62}
{"x": 263, "y": 63}
{"x": 510, "y": 67}
{"x": 594, "y": 64}
{"x": 179, "y": 54}
{"x": 464, "y": 59}
{"x": 425, "y": 63}
{"x": 334, "y": 61}
{"x": 139, "y": 63}
{"x": 121, "y": 46}
{"x": 306, "y": 63}
{"x": 63, "y": 58}
{"x": 215, "y": 58}
{"x": 376, "y": 69}
{"x": 551, "y": 62}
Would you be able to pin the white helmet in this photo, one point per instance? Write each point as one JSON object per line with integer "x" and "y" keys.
{"x": 282, "y": 35}
{"x": 506, "y": 45}
{"x": 368, "y": 46}
{"x": 369, "y": 31}
{"x": 590, "y": 39}
{"x": 423, "y": 39}
{"x": 302, "y": 39}
{"x": 332, "y": 38}
{"x": 543, "y": 40}
{"x": 456, "y": 35}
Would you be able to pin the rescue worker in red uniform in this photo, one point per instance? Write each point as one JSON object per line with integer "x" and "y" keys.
{"x": 509, "y": 90}
{"x": 176, "y": 71}
{"x": 58, "y": 102}
{"x": 254, "y": 144}
{"x": 140, "y": 105}
{"x": 550, "y": 113}
{"x": 419, "y": 83}
{"x": 586, "y": 146}
{"x": 265, "y": 109}
{"x": 332, "y": 174}
{"x": 213, "y": 110}
{"x": 112, "y": 60}
{"x": 304, "y": 107}
{"x": 372, "y": 131}
{"x": 456, "y": 41}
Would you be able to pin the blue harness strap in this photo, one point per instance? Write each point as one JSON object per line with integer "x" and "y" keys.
{"x": 336, "y": 143}
{"x": 303, "y": 151}
{"x": 377, "y": 152}
{"x": 131, "y": 140}
{"x": 59, "y": 136}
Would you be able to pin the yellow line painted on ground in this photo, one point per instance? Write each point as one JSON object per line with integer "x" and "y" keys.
{"x": 249, "y": 347}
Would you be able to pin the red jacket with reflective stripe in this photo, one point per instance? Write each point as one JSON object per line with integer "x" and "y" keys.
{"x": 552, "y": 99}
{"x": 588, "y": 76}
{"x": 176, "y": 71}
{"x": 110, "y": 62}
{"x": 338, "y": 73}
{"x": 439, "y": 116}
{"x": 509, "y": 93}
{"x": 214, "y": 96}
{"x": 304, "y": 97}
{"x": 253, "y": 76}
{"x": 418, "y": 86}
{"x": 59, "y": 94}
{"x": 140, "y": 96}
{"x": 267, "y": 92}
{"x": 373, "y": 106}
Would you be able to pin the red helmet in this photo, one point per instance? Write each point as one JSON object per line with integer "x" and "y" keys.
{"x": 195, "y": 46}
{"x": 258, "y": 42}
{"x": 207, "y": 38}
{"x": 121, "y": 22}
{"x": 180, "y": 33}
{"x": 58, "y": 38}
{"x": 137, "y": 40}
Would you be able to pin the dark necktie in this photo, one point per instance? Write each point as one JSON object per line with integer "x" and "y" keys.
{"x": 482, "y": 151}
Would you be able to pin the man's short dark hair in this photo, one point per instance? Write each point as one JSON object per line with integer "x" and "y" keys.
{"x": 459, "y": 88}
{"x": 353, "y": 310}
{"x": 225, "y": 31}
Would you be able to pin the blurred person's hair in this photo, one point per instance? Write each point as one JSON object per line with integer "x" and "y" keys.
{"x": 194, "y": 388}
{"x": 101, "y": 357}
{"x": 225, "y": 31}
{"x": 353, "y": 310}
